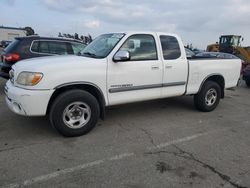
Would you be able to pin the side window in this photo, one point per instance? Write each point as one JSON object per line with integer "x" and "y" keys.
{"x": 34, "y": 47}
{"x": 44, "y": 47}
{"x": 59, "y": 48}
{"x": 77, "y": 47}
{"x": 170, "y": 47}
{"x": 141, "y": 47}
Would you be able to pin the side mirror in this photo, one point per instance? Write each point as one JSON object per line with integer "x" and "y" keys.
{"x": 121, "y": 56}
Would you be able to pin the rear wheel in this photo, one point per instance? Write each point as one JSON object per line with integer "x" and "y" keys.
{"x": 74, "y": 113}
{"x": 208, "y": 97}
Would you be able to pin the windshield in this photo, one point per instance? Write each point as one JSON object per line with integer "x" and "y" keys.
{"x": 102, "y": 45}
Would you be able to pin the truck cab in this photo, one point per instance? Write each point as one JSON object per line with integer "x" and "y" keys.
{"x": 156, "y": 61}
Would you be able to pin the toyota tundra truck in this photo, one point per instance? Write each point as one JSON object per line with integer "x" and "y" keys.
{"x": 116, "y": 68}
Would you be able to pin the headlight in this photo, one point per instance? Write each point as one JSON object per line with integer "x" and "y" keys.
{"x": 29, "y": 78}
{"x": 11, "y": 75}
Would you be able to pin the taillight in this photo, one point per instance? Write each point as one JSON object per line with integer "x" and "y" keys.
{"x": 11, "y": 57}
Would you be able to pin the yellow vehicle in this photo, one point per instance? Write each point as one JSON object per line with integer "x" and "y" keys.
{"x": 213, "y": 47}
{"x": 231, "y": 44}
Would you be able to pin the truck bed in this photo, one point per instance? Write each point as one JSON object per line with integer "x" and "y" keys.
{"x": 212, "y": 66}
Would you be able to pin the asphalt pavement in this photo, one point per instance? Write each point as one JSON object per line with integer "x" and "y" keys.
{"x": 161, "y": 143}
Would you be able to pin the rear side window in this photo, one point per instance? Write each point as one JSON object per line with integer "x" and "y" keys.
{"x": 49, "y": 47}
{"x": 57, "y": 47}
{"x": 34, "y": 46}
{"x": 170, "y": 47}
{"x": 44, "y": 47}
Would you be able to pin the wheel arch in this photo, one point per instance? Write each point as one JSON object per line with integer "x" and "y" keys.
{"x": 219, "y": 79}
{"x": 86, "y": 86}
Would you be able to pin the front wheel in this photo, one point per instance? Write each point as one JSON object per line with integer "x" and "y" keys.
{"x": 74, "y": 113}
{"x": 208, "y": 97}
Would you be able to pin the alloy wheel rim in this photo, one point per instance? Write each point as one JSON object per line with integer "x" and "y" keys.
{"x": 76, "y": 115}
{"x": 211, "y": 97}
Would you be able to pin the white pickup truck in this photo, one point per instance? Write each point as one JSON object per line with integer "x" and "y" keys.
{"x": 115, "y": 68}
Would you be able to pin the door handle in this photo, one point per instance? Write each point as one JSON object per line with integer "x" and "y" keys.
{"x": 155, "y": 67}
{"x": 168, "y": 66}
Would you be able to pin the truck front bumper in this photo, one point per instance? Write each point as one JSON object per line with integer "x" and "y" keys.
{"x": 27, "y": 102}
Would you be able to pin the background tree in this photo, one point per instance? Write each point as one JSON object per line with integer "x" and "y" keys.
{"x": 29, "y": 31}
{"x": 90, "y": 38}
{"x": 86, "y": 39}
{"x": 76, "y": 36}
{"x": 69, "y": 35}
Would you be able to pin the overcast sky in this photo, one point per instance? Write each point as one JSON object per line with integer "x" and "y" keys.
{"x": 197, "y": 21}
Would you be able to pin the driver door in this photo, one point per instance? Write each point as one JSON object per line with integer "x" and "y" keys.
{"x": 139, "y": 78}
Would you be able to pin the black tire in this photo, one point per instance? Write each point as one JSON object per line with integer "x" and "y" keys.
{"x": 200, "y": 98}
{"x": 248, "y": 82}
{"x": 64, "y": 102}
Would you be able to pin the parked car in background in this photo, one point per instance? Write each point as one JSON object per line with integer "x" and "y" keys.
{"x": 215, "y": 55}
{"x": 36, "y": 46}
{"x": 196, "y": 51}
{"x": 5, "y": 43}
{"x": 192, "y": 55}
{"x": 218, "y": 55}
{"x": 246, "y": 75}
{"x": 189, "y": 53}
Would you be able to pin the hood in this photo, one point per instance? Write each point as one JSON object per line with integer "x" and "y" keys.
{"x": 42, "y": 64}
{"x": 59, "y": 70}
